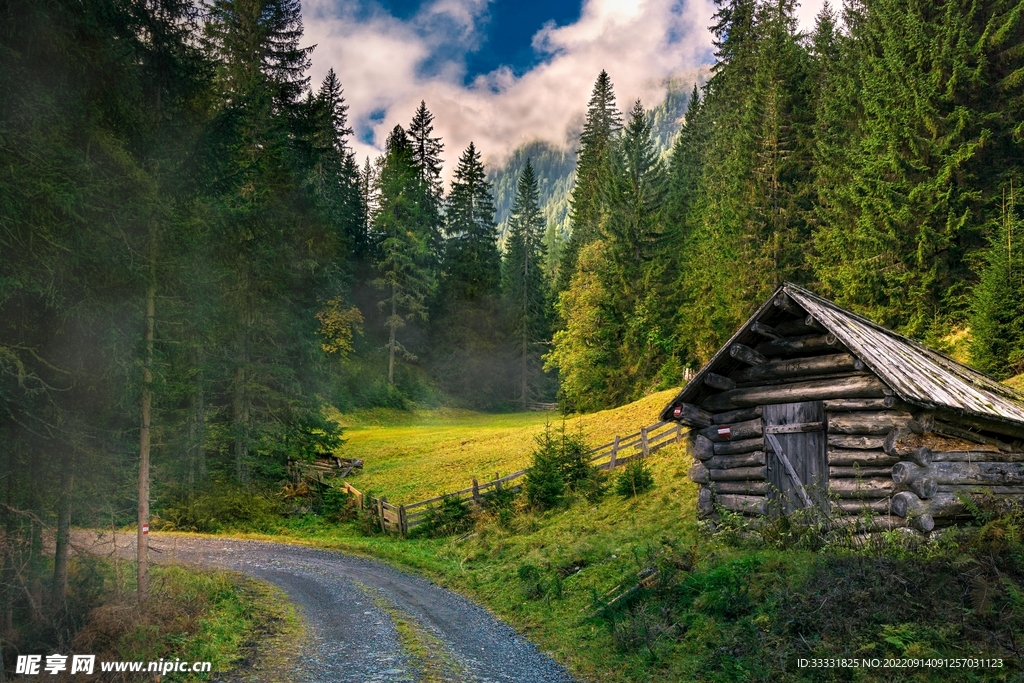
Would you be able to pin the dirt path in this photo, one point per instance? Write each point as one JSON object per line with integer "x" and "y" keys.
{"x": 368, "y": 621}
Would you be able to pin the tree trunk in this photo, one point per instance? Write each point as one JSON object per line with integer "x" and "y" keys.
{"x": 757, "y": 505}
{"x": 142, "y": 533}
{"x": 727, "y": 462}
{"x": 392, "y": 326}
{"x": 58, "y": 593}
{"x": 739, "y": 474}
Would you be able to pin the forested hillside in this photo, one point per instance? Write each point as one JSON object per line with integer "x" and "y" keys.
{"x": 194, "y": 264}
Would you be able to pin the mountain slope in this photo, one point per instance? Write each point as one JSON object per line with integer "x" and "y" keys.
{"x": 556, "y": 167}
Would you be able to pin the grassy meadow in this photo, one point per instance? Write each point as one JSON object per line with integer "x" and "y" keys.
{"x": 629, "y": 590}
{"x": 414, "y": 455}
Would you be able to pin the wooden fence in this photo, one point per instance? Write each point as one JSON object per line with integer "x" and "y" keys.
{"x": 402, "y": 519}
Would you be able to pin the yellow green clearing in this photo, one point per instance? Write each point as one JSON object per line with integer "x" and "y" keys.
{"x": 410, "y": 456}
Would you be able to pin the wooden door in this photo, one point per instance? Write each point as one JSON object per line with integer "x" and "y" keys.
{"x": 799, "y": 429}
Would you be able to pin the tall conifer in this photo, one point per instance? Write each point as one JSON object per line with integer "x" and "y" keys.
{"x": 602, "y": 124}
{"x": 525, "y": 288}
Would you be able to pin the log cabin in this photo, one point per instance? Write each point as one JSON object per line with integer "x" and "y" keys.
{"x": 810, "y": 406}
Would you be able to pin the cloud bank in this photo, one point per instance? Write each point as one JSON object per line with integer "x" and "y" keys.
{"x": 387, "y": 66}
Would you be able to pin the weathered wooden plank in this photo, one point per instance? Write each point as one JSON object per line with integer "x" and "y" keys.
{"x": 802, "y": 453}
{"x": 982, "y": 490}
{"x": 962, "y": 473}
{"x": 878, "y": 423}
{"x": 878, "y": 505}
{"x": 731, "y": 416}
{"x": 875, "y": 487}
{"x": 738, "y": 446}
{"x": 856, "y": 441}
{"x": 727, "y": 462}
{"x": 788, "y": 346}
{"x": 861, "y": 386}
{"x": 814, "y": 365}
{"x": 798, "y": 428}
{"x": 756, "y": 505}
{"x": 739, "y": 474}
{"x": 720, "y": 382}
{"x": 754, "y": 488}
{"x": 853, "y": 472}
{"x": 861, "y": 524}
{"x": 734, "y": 432}
{"x": 847, "y": 404}
{"x": 976, "y": 456}
{"x": 840, "y": 457}
{"x": 745, "y": 354}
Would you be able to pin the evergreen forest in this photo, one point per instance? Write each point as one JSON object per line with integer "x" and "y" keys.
{"x": 194, "y": 263}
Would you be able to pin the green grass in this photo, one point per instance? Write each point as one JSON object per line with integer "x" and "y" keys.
{"x": 411, "y": 456}
{"x": 221, "y": 617}
{"x": 730, "y": 606}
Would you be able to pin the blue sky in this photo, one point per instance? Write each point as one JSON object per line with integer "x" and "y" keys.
{"x": 503, "y": 72}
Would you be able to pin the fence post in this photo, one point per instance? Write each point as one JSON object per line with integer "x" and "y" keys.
{"x": 646, "y": 449}
{"x": 403, "y": 526}
{"x": 615, "y": 453}
{"x": 476, "y": 491}
{"x": 497, "y": 481}
{"x": 380, "y": 511}
{"x": 679, "y": 432}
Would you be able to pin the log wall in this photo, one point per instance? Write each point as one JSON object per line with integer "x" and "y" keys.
{"x": 883, "y": 456}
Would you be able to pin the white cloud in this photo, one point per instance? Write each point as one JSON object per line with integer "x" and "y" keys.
{"x": 387, "y": 65}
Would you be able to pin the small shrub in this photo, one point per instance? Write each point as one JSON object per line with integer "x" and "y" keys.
{"x": 545, "y": 480}
{"x": 451, "y": 517}
{"x": 336, "y": 504}
{"x": 219, "y": 507}
{"x": 635, "y": 479}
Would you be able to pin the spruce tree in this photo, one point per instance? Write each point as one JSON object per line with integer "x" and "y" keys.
{"x": 466, "y": 335}
{"x": 403, "y": 273}
{"x": 472, "y": 263}
{"x": 524, "y": 287}
{"x": 602, "y": 124}
{"x": 426, "y": 157}
{"x": 997, "y": 306}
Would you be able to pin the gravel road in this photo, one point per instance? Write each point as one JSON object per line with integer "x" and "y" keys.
{"x": 367, "y": 621}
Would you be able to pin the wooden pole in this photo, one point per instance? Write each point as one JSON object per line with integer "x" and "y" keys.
{"x": 476, "y": 491}
{"x": 615, "y": 453}
{"x": 403, "y": 525}
{"x": 645, "y": 447}
{"x": 380, "y": 511}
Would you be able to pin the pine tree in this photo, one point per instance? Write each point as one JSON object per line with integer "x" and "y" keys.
{"x": 472, "y": 263}
{"x": 426, "y": 157}
{"x": 997, "y": 307}
{"x": 466, "y": 336}
{"x": 635, "y": 196}
{"x": 403, "y": 273}
{"x": 525, "y": 288}
{"x": 602, "y": 124}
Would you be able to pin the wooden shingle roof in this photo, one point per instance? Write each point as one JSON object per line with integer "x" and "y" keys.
{"x": 916, "y": 374}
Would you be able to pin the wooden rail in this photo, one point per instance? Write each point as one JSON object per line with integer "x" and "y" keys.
{"x": 402, "y": 519}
